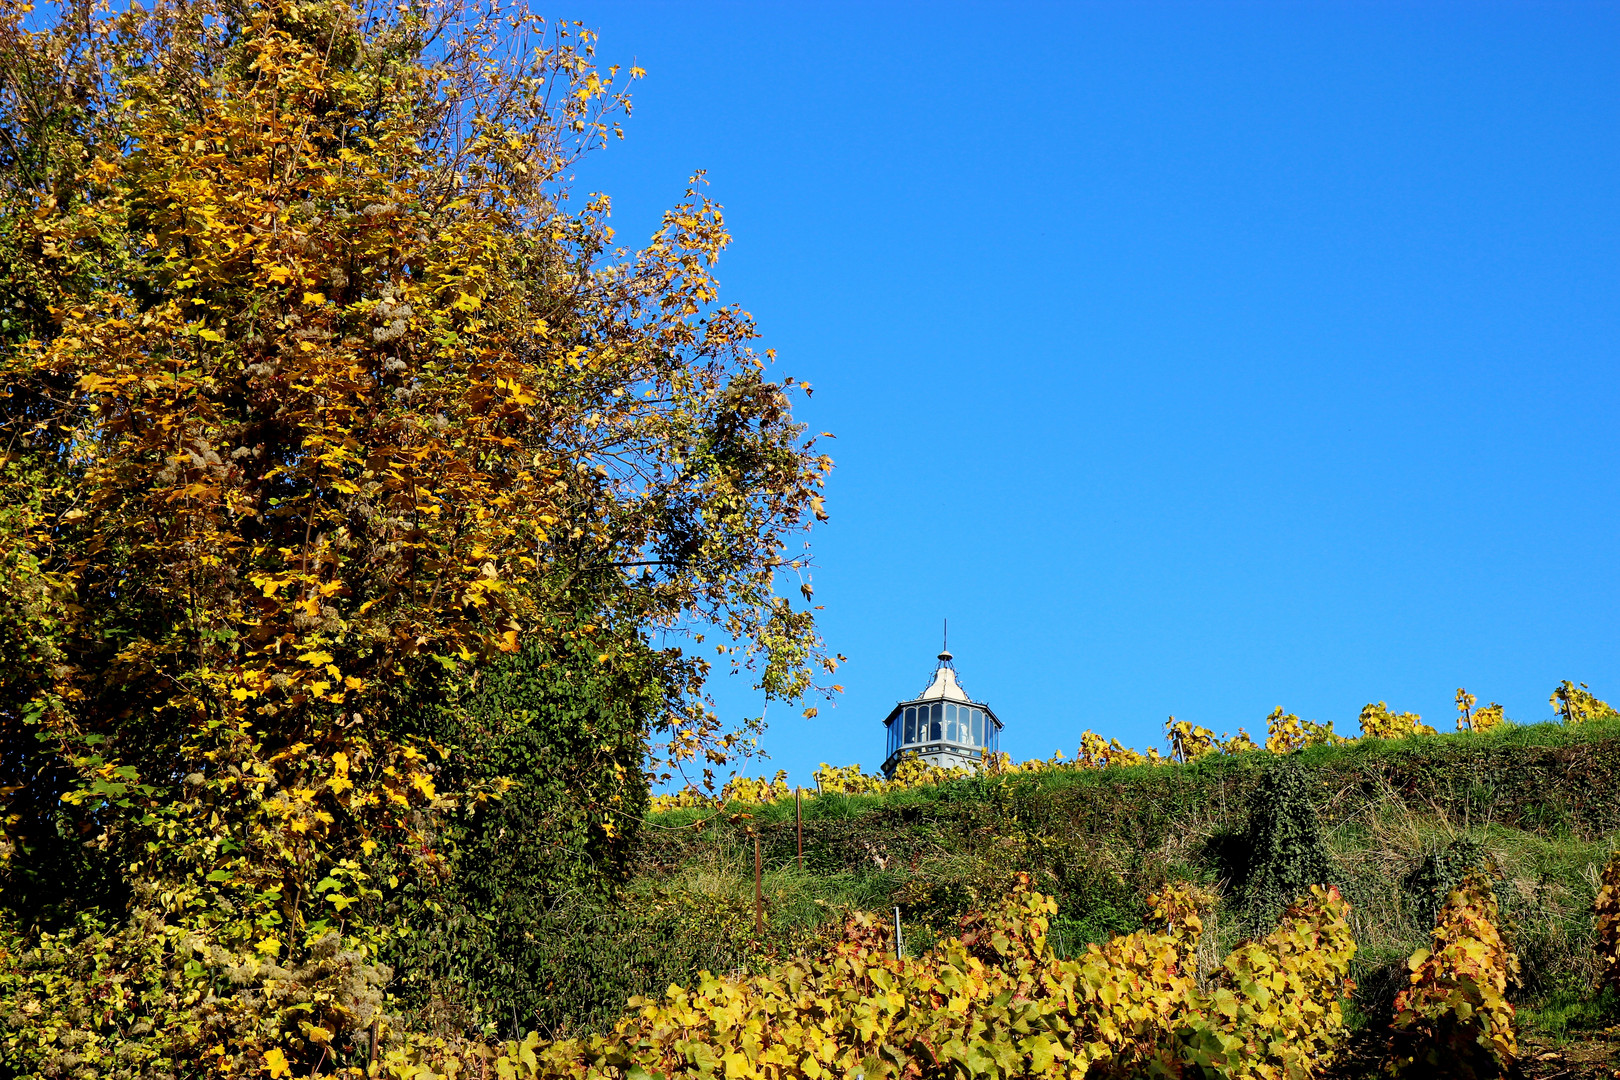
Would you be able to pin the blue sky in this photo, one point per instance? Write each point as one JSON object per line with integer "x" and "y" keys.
{"x": 1190, "y": 359}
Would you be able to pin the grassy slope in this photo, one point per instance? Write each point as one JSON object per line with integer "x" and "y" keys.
{"x": 1536, "y": 804}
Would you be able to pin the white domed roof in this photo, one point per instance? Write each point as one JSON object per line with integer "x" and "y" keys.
{"x": 944, "y": 687}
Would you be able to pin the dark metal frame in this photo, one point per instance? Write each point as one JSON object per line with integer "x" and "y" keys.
{"x": 967, "y": 752}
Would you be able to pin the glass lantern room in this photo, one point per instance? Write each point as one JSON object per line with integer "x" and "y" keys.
{"x": 943, "y": 726}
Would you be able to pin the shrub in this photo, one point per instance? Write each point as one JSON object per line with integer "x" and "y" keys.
{"x": 1285, "y": 849}
{"x": 1607, "y": 908}
{"x": 1454, "y": 1019}
{"x": 1577, "y": 704}
{"x": 1377, "y": 722}
{"x": 994, "y": 1001}
{"x": 1286, "y": 732}
{"x": 1187, "y": 740}
{"x": 1277, "y": 1008}
{"x": 1483, "y": 718}
{"x": 1441, "y": 870}
{"x": 565, "y": 734}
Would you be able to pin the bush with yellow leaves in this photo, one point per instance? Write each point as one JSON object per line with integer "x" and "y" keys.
{"x": 1377, "y": 722}
{"x": 744, "y": 789}
{"x": 1454, "y": 1019}
{"x": 1277, "y": 1007}
{"x": 1286, "y": 732}
{"x": 994, "y": 1001}
{"x": 747, "y": 790}
{"x": 1098, "y": 753}
{"x": 1479, "y": 719}
{"x": 1607, "y": 909}
{"x": 1577, "y": 704}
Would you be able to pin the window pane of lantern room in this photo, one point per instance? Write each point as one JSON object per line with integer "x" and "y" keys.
{"x": 950, "y": 722}
{"x": 978, "y": 719}
{"x": 911, "y": 725}
{"x": 937, "y": 720}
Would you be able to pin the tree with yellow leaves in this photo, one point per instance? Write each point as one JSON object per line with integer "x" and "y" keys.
{"x": 317, "y": 395}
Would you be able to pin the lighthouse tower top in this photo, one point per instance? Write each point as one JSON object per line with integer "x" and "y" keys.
{"x": 942, "y": 725}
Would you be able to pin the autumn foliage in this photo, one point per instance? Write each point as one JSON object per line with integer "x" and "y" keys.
{"x": 1454, "y": 1018}
{"x": 1576, "y": 703}
{"x": 995, "y": 1001}
{"x": 317, "y": 395}
{"x": 1607, "y": 909}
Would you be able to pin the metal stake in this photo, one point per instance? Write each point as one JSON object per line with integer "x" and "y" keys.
{"x": 899, "y": 946}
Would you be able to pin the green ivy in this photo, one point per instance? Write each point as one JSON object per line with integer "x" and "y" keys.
{"x": 1286, "y": 855}
{"x": 568, "y": 731}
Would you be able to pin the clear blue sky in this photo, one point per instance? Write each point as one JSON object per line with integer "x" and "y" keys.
{"x": 1191, "y": 359}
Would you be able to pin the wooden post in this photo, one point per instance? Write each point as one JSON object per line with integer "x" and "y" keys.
{"x": 759, "y": 898}
{"x": 798, "y": 825}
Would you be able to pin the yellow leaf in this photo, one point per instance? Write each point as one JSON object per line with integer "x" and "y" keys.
{"x": 314, "y": 299}
{"x": 276, "y": 1061}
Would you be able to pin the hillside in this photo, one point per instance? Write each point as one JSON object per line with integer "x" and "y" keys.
{"x": 1401, "y": 820}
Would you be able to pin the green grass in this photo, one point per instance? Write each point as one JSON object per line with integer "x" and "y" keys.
{"x": 1357, "y": 754}
{"x": 1570, "y": 1012}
